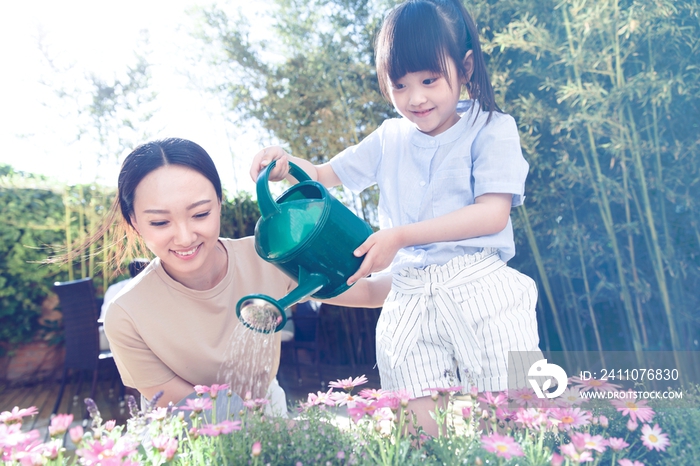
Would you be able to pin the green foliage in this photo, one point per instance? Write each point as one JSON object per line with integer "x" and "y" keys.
{"x": 603, "y": 93}
{"x": 238, "y": 216}
{"x": 32, "y": 219}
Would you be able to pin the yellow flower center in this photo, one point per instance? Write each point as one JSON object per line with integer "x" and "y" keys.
{"x": 501, "y": 447}
{"x": 567, "y": 419}
{"x": 653, "y": 438}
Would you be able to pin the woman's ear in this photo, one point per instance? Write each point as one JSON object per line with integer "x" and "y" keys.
{"x": 468, "y": 62}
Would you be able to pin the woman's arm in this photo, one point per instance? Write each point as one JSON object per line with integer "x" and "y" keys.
{"x": 174, "y": 390}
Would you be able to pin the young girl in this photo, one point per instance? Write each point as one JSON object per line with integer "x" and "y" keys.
{"x": 448, "y": 174}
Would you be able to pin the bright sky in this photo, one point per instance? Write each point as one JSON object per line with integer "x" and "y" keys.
{"x": 99, "y": 37}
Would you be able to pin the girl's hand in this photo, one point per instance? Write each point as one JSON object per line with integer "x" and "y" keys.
{"x": 379, "y": 250}
{"x": 265, "y": 157}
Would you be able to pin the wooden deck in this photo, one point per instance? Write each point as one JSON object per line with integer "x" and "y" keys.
{"x": 43, "y": 394}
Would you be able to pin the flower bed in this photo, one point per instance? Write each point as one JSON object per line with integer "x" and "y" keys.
{"x": 486, "y": 428}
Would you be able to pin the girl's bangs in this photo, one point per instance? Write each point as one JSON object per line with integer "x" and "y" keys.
{"x": 418, "y": 43}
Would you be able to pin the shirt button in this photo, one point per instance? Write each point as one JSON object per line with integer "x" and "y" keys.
{"x": 422, "y": 183}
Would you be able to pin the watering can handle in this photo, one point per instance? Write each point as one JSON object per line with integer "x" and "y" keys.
{"x": 267, "y": 205}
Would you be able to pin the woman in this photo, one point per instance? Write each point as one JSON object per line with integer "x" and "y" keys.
{"x": 174, "y": 326}
{"x": 171, "y": 327}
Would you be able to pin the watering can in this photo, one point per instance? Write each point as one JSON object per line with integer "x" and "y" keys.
{"x": 309, "y": 235}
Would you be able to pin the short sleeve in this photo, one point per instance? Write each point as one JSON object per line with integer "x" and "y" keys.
{"x": 138, "y": 366}
{"x": 357, "y": 166}
{"x": 498, "y": 162}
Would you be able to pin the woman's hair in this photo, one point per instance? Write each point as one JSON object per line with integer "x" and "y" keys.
{"x": 117, "y": 228}
{"x": 152, "y": 155}
{"x": 420, "y": 35}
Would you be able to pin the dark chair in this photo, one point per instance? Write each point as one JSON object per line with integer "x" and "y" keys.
{"x": 306, "y": 337}
{"x": 80, "y": 312}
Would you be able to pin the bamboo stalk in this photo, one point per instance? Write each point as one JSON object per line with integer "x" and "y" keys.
{"x": 81, "y": 228}
{"x": 69, "y": 239}
{"x": 604, "y": 204}
{"x": 587, "y": 287}
{"x": 630, "y": 245}
{"x": 657, "y": 257}
{"x": 522, "y": 210}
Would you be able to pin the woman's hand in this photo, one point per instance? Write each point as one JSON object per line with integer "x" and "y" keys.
{"x": 265, "y": 157}
{"x": 379, "y": 250}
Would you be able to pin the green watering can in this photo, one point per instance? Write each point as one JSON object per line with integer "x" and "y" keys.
{"x": 309, "y": 235}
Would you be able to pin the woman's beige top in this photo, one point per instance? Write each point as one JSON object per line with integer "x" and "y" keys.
{"x": 158, "y": 329}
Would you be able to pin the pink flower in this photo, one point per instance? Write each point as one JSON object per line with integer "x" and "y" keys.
{"x": 60, "y": 424}
{"x": 493, "y": 401}
{"x": 594, "y": 384}
{"x": 224, "y": 427}
{"x": 389, "y": 401}
{"x": 653, "y": 439}
{"x": 320, "y": 399}
{"x": 617, "y": 444}
{"x": 531, "y": 418}
{"x": 632, "y": 425}
{"x": 570, "y": 397}
{"x": 571, "y": 418}
{"x": 104, "y": 453}
{"x": 170, "y": 449}
{"x": 201, "y": 389}
{"x": 466, "y": 412}
{"x": 557, "y": 459}
{"x": 76, "y": 434}
{"x": 524, "y": 397}
{"x": 158, "y": 413}
{"x": 16, "y": 415}
{"x": 504, "y": 414}
{"x": 197, "y": 405}
{"x": 361, "y": 409}
{"x": 585, "y": 441}
{"x": 11, "y": 436}
{"x": 626, "y": 462}
{"x": 343, "y": 398}
{"x": 216, "y": 388}
{"x": 110, "y": 425}
{"x": 443, "y": 391}
{"x": 603, "y": 421}
{"x": 257, "y": 449}
{"x": 348, "y": 384}
{"x": 569, "y": 451}
{"x": 372, "y": 393}
{"x": 637, "y": 410}
{"x": 503, "y": 445}
{"x": 255, "y": 404}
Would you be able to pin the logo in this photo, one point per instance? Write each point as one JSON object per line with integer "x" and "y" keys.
{"x": 542, "y": 369}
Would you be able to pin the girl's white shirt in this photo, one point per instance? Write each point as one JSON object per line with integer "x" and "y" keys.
{"x": 422, "y": 177}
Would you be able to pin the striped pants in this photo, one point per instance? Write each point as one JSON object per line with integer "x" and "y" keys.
{"x": 454, "y": 324}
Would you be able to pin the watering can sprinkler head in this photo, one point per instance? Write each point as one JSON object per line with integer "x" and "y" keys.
{"x": 261, "y": 313}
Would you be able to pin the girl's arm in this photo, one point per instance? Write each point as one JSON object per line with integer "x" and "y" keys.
{"x": 367, "y": 292}
{"x": 323, "y": 173}
{"x": 488, "y": 215}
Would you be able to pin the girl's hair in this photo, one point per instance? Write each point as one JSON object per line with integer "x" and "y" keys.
{"x": 117, "y": 228}
{"x": 420, "y": 35}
